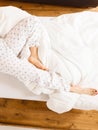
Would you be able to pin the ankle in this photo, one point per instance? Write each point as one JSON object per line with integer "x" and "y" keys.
{"x": 34, "y": 52}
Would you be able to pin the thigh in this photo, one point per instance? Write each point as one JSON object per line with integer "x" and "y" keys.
{"x": 18, "y": 35}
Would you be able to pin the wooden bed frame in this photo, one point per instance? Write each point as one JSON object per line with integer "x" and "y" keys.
{"x": 35, "y": 113}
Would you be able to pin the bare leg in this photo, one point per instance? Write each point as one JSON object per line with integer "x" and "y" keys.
{"x": 88, "y": 91}
{"x": 34, "y": 59}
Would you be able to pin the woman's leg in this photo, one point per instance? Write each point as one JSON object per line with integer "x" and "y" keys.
{"x": 34, "y": 58}
{"x": 26, "y": 32}
{"x": 36, "y": 80}
{"x": 80, "y": 90}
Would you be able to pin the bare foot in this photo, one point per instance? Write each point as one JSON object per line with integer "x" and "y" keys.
{"x": 35, "y": 61}
{"x": 88, "y": 91}
{"x": 34, "y": 58}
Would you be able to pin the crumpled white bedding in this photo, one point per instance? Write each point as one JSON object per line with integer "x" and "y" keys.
{"x": 74, "y": 40}
{"x": 9, "y": 16}
{"x": 80, "y": 30}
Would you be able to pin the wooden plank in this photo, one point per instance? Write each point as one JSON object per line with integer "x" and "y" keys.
{"x": 36, "y": 114}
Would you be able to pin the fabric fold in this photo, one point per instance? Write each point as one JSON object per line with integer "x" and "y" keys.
{"x": 62, "y": 102}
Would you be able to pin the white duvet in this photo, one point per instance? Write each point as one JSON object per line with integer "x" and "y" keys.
{"x": 74, "y": 55}
{"x": 74, "y": 52}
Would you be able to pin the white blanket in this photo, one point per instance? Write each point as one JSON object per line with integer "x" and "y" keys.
{"x": 77, "y": 34}
{"x": 74, "y": 55}
{"x": 9, "y": 16}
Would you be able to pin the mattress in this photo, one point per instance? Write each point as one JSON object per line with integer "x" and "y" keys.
{"x": 10, "y": 87}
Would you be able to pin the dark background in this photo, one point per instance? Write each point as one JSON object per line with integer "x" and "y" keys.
{"x": 73, "y": 3}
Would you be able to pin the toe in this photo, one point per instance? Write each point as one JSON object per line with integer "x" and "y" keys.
{"x": 93, "y": 92}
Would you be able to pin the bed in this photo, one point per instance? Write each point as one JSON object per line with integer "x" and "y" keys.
{"x": 31, "y": 112}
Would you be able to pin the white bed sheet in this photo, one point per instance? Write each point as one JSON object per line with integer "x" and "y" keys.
{"x": 10, "y": 87}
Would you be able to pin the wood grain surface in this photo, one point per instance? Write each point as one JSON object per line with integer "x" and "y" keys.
{"x": 36, "y": 114}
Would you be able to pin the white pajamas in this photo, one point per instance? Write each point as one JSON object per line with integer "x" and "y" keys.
{"x": 27, "y": 32}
